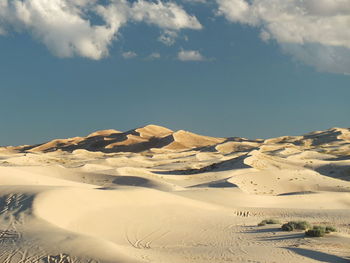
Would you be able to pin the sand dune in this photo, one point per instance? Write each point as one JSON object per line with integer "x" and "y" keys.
{"x": 155, "y": 195}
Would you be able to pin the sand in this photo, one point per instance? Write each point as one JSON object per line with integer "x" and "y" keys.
{"x": 156, "y": 195}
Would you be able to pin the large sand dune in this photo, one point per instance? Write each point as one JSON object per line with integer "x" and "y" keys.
{"x": 156, "y": 195}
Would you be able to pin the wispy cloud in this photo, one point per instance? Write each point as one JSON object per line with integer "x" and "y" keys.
{"x": 129, "y": 54}
{"x": 190, "y": 55}
{"x": 195, "y": 1}
{"x": 314, "y": 31}
{"x": 154, "y": 55}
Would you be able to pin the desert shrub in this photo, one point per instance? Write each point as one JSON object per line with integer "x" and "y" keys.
{"x": 316, "y": 231}
{"x": 296, "y": 225}
{"x": 330, "y": 229}
{"x": 287, "y": 227}
{"x": 302, "y": 225}
{"x": 269, "y": 221}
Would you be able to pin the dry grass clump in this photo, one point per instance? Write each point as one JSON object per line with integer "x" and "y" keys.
{"x": 330, "y": 229}
{"x": 269, "y": 221}
{"x": 316, "y": 231}
{"x": 296, "y": 225}
{"x": 311, "y": 231}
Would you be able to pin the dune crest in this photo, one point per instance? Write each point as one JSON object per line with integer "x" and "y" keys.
{"x": 136, "y": 140}
{"x": 105, "y": 133}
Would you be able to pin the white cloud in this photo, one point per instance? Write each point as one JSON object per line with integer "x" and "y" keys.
{"x": 302, "y": 28}
{"x": 129, "y": 54}
{"x": 190, "y": 55}
{"x": 195, "y": 1}
{"x": 65, "y": 27}
{"x": 237, "y": 11}
{"x": 60, "y": 25}
{"x": 154, "y": 55}
{"x": 324, "y": 58}
{"x": 165, "y": 15}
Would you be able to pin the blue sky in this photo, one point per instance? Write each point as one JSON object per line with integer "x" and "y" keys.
{"x": 217, "y": 68}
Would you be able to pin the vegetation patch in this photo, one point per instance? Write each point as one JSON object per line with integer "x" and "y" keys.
{"x": 296, "y": 225}
{"x": 287, "y": 227}
{"x": 316, "y": 231}
{"x": 269, "y": 221}
{"x": 311, "y": 231}
{"x": 330, "y": 229}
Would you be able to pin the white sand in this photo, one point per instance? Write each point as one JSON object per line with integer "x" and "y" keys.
{"x": 154, "y": 195}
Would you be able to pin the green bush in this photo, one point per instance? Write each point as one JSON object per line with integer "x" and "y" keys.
{"x": 311, "y": 231}
{"x": 296, "y": 225}
{"x": 330, "y": 229}
{"x": 316, "y": 231}
{"x": 287, "y": 227}
{"x": 302, "y": 225}
{"x": 269, "y": 221}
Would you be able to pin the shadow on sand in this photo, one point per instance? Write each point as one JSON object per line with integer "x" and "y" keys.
{"x": 319, "y": 256}
{"x": 234, "y": 163}
{"x": 341, "y": 172}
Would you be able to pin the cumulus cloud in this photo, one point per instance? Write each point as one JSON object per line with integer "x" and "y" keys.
{"x": 190, "y": 55}
{"x": 165, "y": 15}
{"x": 66, "y": 27}
{"x": 302, "y": 28}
